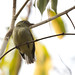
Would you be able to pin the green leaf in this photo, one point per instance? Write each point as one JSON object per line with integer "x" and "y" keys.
{"x": 42, "y": 5}
{"x": 54, "y": 5}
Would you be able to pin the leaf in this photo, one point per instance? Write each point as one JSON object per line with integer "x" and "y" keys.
{"x": 57, "y": 23}
{"x": 15, "y": 64}
{"x": 10, "y": 64}
{"x": 41, "y": 4}
{"x": 54, "y": 5}
{"x": 43, "y": 60}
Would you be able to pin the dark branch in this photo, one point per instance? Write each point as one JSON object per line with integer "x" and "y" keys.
{"x": 35, "y": 41}
{"x": 8, "y": 52}
{"x": 50, "y": 19}
{"x": 70, "y": 20}
{"x": 21, "y": 9}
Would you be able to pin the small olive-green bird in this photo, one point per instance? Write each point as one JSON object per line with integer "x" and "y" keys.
{"x": 22, "y": 34}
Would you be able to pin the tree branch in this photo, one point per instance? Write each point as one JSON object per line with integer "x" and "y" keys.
{"x": 70, "y": 20}
{"x": 14, "y": 7}
{"x": 35, "y": 41}
{"x": 21, "y": 9}
{"x": 54, "y": 17}
{"x": 9, "y": 33}
{"x": 7, "y": 36}
{"x": 7, "y": 52}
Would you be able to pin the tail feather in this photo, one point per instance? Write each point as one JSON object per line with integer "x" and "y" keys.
{"x": 29, "y": 59}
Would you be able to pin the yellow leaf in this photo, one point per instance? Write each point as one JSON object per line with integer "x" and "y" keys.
{"x": 15, "y": 64}
{"x": 43, "y": 60}
{"x": 10, "y": 64}
{"x": 57, "y": 23}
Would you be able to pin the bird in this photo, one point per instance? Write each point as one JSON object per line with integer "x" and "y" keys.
{"x": 22, "y": 34}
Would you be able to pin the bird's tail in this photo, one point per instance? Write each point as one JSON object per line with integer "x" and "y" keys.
{"x": 29, "y": 59}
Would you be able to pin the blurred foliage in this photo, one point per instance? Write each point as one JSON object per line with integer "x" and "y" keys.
{"x": 57, "y": 23}
{"x": 54, "y": 5}
{"x": 10, "y": 64}
{"x": 43, "y": 60}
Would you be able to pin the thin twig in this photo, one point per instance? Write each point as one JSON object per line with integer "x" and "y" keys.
{"x": 54, "y": 17}
{"x": 70, "y": 20}
{"x": 66, "y": 66}
{"x": 29, "y": 9}
{"x": 35, "y": 41}
{"x": 21, "y": 9}
{"x": 8, "y": 52}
